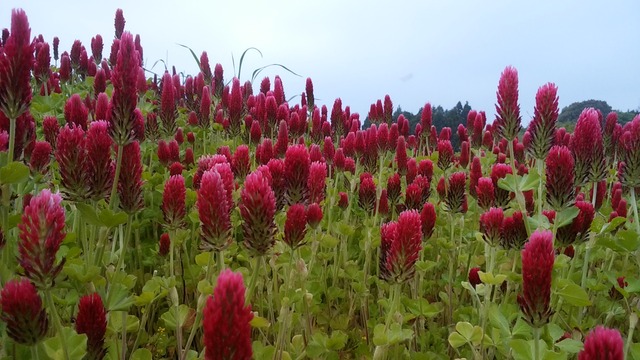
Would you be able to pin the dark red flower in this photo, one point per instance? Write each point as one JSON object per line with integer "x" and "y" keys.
{"x": 41, "y": 234}
{"x": 602, "y": 344}
{"x": 164, "y": 245}
{"x": 173, "y": 201}
{"x": 119, "y": 23}
{"x": 507, "y": 108}
{"x": 413, "y": 197}
{"x": 367, "y": 193}
{"x": 629, "y": 148}
{"x": 241, "y": 161}
{"x": 314, "y": 215}
{"x": 295, "y": 226}
{"x": 491, "y": 225}
{"x": 402, "y": 246}
{"x": 588, "y": 149}
{"x": 214, "y": 212}
{"x": 130, "y": 181}
{"x": 344, "y": 200}
{"x": 485, "y": 192}
{"x": 92, "y": 321}
{"x": 578, "y": 230}
{"x": 296, "y": 173}
{"x": 428, "y": 218}
{"x": 456, "y": 196}
{"x": 474, "y": 277}
{"x": 316, "y": 181}
{"x": 537, "y": 266}
{"x": 124, "y": 99}
{"x": 464, "y": 154}
{"x": 227, "y": 328}
{"x": 51, "y": 128}
{"x": 40, "y": 158}
{"x": 101, "y": 167}
{"x": 542, "y": 128}
{"x": 501, "y": 196}
{"x": 257, "y": 208}
{"x": 514, "y": 231}
{"x": 72, "y": 159}
{"x": 445, "y": 154}
{"x": 401, "y": 155}
{"x": 560, "y": 182}
{"x": 22, "y": 311}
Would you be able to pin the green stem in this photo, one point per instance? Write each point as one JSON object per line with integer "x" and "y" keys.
{"x": 254, "y": 279}
{"x": 540, "y": 167}
{"x": 34, "y": 352}
{"x": 633, "y": 321}
{"x": 48, "y": 298}
{"x": 12, "y": 139}
{"x": 536, "y": 343}
{"x": 114, "y": 187}
{"x": 634, "y": 206}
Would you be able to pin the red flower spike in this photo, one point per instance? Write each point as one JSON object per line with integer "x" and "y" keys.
{"x": 42, "y": 69}
{"x": 92, "y": 321}
{"x": 413, "y": 197}
{"x": 537, "y": 266}
{"x": 578, "y": 230}
{"x": 491, "y": 225}
{"x": 514, "y": 231}
{"x": 295, "y": 226}
{"x": 542, "y": 128}
{"x": 16, "y": 62}
{"x": 168, "y": 112}
{"x": 560, "y": 182}
{"x": 629, "y": 149}
{"x": 507, "y": 108}
{"x": 412, "y": 170}
{"x": 41, "y": 234}
{"x": 316, "y": 181}
{"x": 257, "y": 208}
{"x": 405, "y": 247}
{"x": 72, "y": 158}
{"x": 314, "y": 215}
{"x": 130, "y": 181}
{"x": 485, "y": 193}
{"x": 164, "y": 245}
{"x": 173, "y": 202}
{"x": 455, "y": 193}
{"x": 474, "y": 277}
{"x": 51, "y": 128}
{"x": 344, "y": 200}
{"x": 383, "y": 203}
{"x": 22, "y": 311}
{"x": 445, "y": 154}
{"x": 214, "y": 212}
{"x": 101, "y": 167}
{"x": 588, "y": 149}
{"x": 174, "y": 151}
{"x": 125, "y": 97}
{"x": 394, "y": 188}
{"x": 255, "y": 132}
{"x": 119, "y": 23}
{"x": 388, "y": 234}
{"x": 428, "y": 219}
{"x": 602, "y": 344}
{"x": 401, "y": 155}
{"x": 367, "y": 193}
{"x": 501, "y": 196}
{"x": 465, "y": 153}
{"x": 235, "y": 107}
{"x": 226, "y": 322}
{"x": 296, "y": 173}
{"x": 241, "y": 161}
{"x": 40, "y": 158}
{"x": 176, "y": 168}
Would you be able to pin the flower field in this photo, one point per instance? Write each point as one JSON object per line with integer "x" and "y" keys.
{"x": 197, "y": 216}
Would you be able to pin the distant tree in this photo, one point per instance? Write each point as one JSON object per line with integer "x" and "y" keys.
{"x": 570, "y": 114}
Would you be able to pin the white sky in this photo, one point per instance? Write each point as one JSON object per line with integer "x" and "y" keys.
{"x": 415, "y": 51}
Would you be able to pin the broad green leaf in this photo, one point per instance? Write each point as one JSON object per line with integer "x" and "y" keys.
{"x": 89, "y": 214}
{"x": 380, "y": 337}
{"x": 142, "y": 354}
{"x": 202, "y": 259}
{"x": 144, "y": 299}
{"x": 259, "y": 322}
{"x": 509, "y": 182}
{"x": 566, "y": 216}
{"x": 169, "y": 317}
{"x": 570, "y": 346}
{"x": 115, "y": 322}
{"x": 111, "y": 219}
{"x": 490, "y": 279}
{"x": 498, "y": 319}
{"x": 119, "y": 298}
{"x": 530, "y": 181}
{"x": 337, "y": 340}
{"x": 465, "y": 329}
{"x": 552, "y": 355}
{"x": 14, "y": 173}
{"x": 397, "y": 334}
{"x": 573, "y": 294}
{"x": 521, "y": 349}
{"x": 629, "y": 240}
{"x": 76, "y": 345}
{"x": 456, "y": 340}
{"x": 634, "y": 351}
{"x": 613, "y": 224}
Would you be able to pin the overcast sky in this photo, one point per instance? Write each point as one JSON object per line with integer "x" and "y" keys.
{"x": 415, "y": 51}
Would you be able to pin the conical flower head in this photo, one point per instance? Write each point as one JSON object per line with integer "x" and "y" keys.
{"x": 514, "y": 231}
{"x": 405, "y": 247}
{"x": 560, "y": 183}
{"x": 22, "y": 311}
{"x": 124, "y": 77}
{"x": 394, "y": 188}
{"x": 119, "y": 23}
{"x": 41, "y": 233}
{"x": 241, "y": 161}
{"x": 130, "y": 181}
{"x": 226, "y": 321}
{"x": 445, "y": 154}
{"x": 101, "y": 165}
{"x": 173, "y": 201}
{"x": 588, "y": 149}
{"x": 40, "y": 158}
{"x": 485, "y": 192}
{"x": 314, "y": 215}
{"x": 296, "y": 170}
{"x": 214, "y": 212}
{"x": 629, "y": 147}
{"x": 367, "y": 193}
{"x": 456, "y": 197}
{"x": 16, "y": 61}
{"x": 92, "y": 321}
{"x": 537, "y": 266}
{"x": 491, "y": 225}
{"x": 543, "y": 126}
{"x": 316, "y": 181}
{"x": 578, "y": 230}
{"x": 257, "y": 208}
{"x": 501, "y": 196}
{"x": 401, "y": 155}
{"x": 428, "y": 218}
{"x": 507, "y": 108}
{"x": 168, "y": 111}
{"x": 75, "y": 112}
{"x": 295, "y": 227}
{"x": 602, "y": 344}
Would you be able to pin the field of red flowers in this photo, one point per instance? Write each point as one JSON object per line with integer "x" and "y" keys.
{"x": 198, "y": 217}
